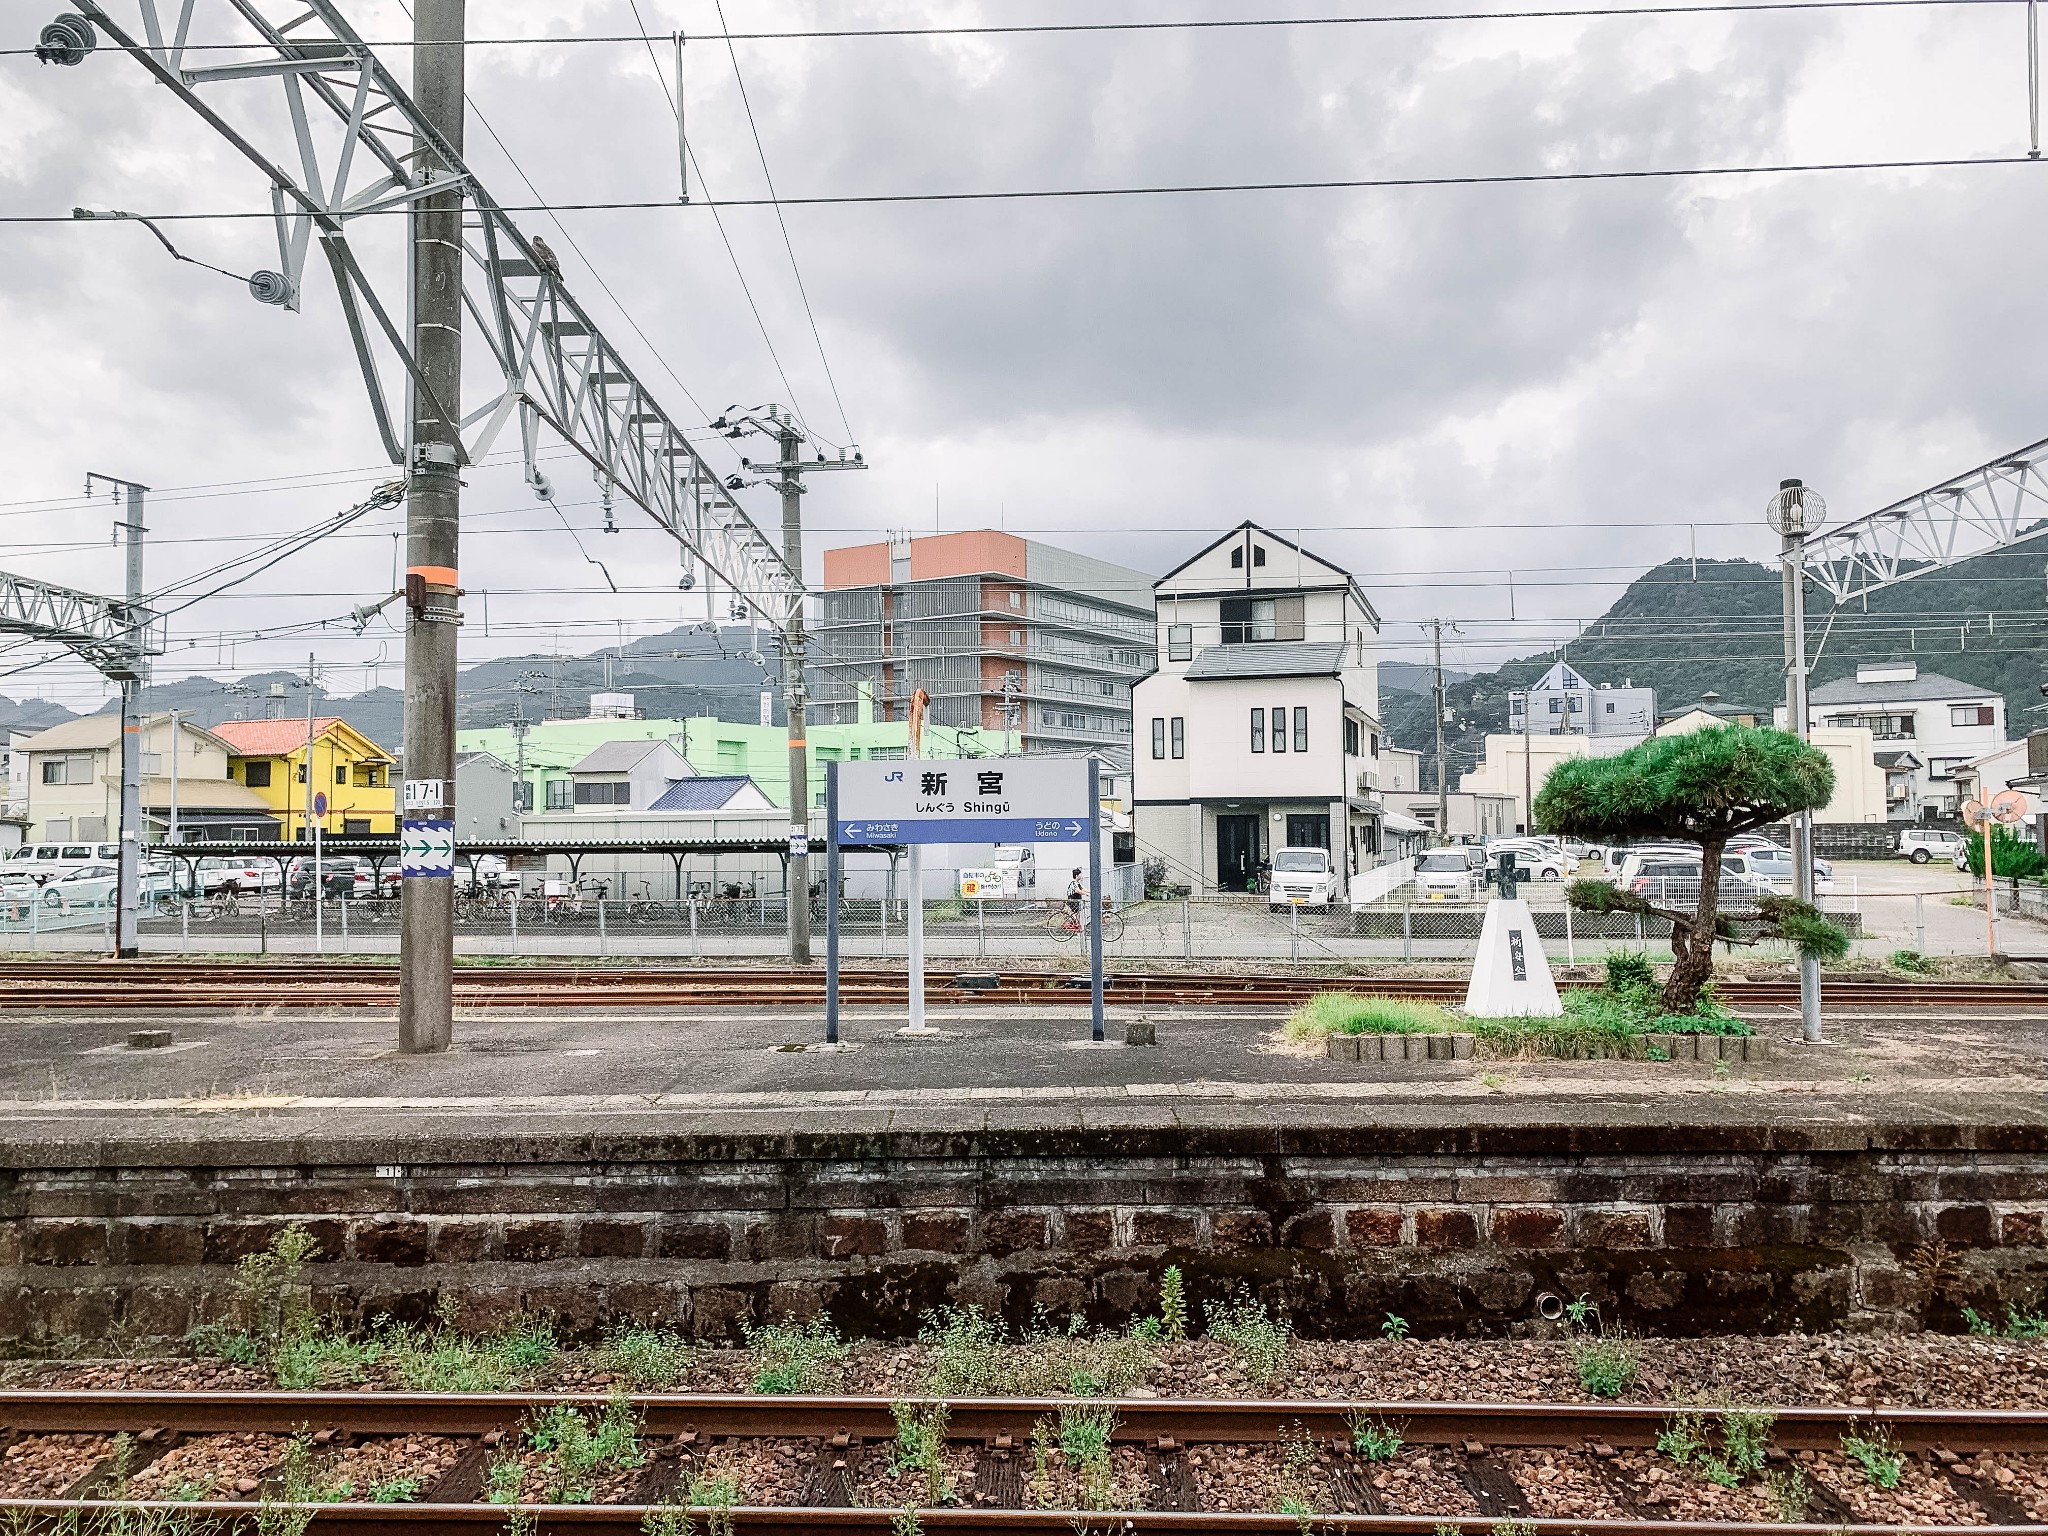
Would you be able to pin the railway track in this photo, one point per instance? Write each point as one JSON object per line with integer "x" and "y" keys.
{"x": 184, "y": 984}
{"x": 829, "y": 1465}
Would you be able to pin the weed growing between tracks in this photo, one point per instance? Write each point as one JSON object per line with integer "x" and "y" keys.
{"x": 1261, "y": 1342}
{"x": 791, "y": 1357}
{"x": 971, "y": 1356}
{"x": 1877, "y": 1453}
{"x": 1745, "y": 1435}
{"x": 921, "y": 1446}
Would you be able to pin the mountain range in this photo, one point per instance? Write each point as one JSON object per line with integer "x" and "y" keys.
{"x": 1691, "y": 628}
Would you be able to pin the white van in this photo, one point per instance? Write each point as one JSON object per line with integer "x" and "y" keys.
{"x": 40, "y": 861}
{"x": 1302, "y": 877}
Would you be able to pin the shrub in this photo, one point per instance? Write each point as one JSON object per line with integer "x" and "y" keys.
{"x": 1912, "y": 962}
{"x": 2011, "y": 854}
{"x": 1631, "y": 977}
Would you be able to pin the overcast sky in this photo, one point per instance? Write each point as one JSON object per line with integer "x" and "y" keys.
{"x": 1436, "y": 386}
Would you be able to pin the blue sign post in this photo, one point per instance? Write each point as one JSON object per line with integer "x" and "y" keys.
{"x": 966, "y": 800}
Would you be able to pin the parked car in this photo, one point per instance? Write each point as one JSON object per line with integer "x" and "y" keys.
{"x": 1447, "y": 874}
{"x": 91, "y": 886}
{"x": 40, "y": 861}
{"x": 1676, "y": 883}
{"x": 238, "y": 876}
{"x": 1922, "y": 844}
{"x": 1770, "y": 868}
{"x": 1533, "y": 863}
{"x": 1302, "y": 877}
{"x": 337, "y": 878}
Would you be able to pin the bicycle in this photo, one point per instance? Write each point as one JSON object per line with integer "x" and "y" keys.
{"x": 1063, "y": 923}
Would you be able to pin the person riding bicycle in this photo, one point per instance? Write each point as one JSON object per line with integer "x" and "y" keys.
{"x": 1077, "y": 896}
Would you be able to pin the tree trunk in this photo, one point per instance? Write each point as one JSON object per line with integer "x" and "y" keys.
{"x": 1695, "y": 955}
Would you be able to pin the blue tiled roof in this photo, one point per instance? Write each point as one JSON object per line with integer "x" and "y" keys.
{"x": 709, "y": 792}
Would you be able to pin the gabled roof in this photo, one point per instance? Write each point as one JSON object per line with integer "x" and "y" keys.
{"x": 1331, "y": 566}
{"x": 102, "y": 730}
{"x": 620, "y": 756}
{"x": 707, "y": 792}
{"x": 1897, "y": 761}
{"x": 1928, "y": 685}
{"x": 282, "y": 737}
{"x": 1268, "y": 658}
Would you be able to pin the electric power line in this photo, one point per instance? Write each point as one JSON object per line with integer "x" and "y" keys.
{"x": 1163, "y": 189}
{"x": 1257, "y": 23}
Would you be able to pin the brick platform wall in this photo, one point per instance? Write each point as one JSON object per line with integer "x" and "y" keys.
{"x": 1456, "y": 1230}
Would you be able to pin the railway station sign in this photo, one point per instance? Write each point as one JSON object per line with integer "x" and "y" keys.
{"x": 963, "y": 800}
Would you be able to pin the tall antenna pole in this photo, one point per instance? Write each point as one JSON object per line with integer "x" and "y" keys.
{"x": 1443, "y": 794}
{"x": 426, "y": 945}
{"x": 1793, "y": 509}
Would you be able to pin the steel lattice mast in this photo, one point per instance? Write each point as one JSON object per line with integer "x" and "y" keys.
{"x": 349, "y": 148}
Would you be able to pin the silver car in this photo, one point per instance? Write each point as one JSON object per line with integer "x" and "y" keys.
{"x": 1446, "y": 874}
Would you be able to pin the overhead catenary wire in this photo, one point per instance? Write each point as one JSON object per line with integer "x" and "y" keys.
{"x": 697, "y": 170}
{"x": 1219, "y": 24}
{"x": 1161, "y": 189}
{"x": 781, "y": 222}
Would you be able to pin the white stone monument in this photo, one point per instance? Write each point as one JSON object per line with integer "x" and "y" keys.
{"x": 1511, "y": 974}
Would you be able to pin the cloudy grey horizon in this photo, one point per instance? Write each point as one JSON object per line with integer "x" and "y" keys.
{"x": 1438, "y": 387}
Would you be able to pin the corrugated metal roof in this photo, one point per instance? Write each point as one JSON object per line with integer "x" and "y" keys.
{"x": 1271, "y": 658}
{"x": 712, "y": 792}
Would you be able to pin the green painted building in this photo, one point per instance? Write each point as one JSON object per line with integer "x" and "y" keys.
{"x": 713, "y": 746}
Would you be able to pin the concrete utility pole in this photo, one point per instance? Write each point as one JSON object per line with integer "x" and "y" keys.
{"x": 794, "y": 648}
{"x": 786, "y": 475}
{"x": 1443, "y": 794}
{"x": 426, "y": 945}
{"x": 1796, "y": 512}
{"x": 128, "y": 883}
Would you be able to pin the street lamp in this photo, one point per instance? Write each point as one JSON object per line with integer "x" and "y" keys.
{"x": 1794, "y": 513}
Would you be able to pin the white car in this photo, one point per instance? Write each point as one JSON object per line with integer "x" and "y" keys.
{"x": 91, "y": 886}
{"x": 1771, "y": 869}
{"x": 40, "y": 861}
{"x": 1447, "y": 874}
{"x": 1923, "y": 844}
{"x": 241, "y": 876}
{"x": 1302, "y": 877}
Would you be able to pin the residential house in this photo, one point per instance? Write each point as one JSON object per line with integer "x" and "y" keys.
{"x": 1400, "y": 769}
{"x": 1260, "y": 728}
{"x": 626, "y": 776}
{"x": 486, "y": 788}
{"x": 714, "y": 792}
{"x": 2008, "y": 767}
{"x": 1034, "y": 646}
{"x": 271, "y": 757}
{"x": 1471, "y": 817}
{"x": 1859, "y": 795}
{"x": 73, "y": 783}
{"x": 1902, "y": 770}
{"x": 1563, "y": 703}
{"x": 551, "y": 749}
{"x": 1941, "y": 721}
{"x": 1711, "y": 703}
{"x": 1515, "y": 767}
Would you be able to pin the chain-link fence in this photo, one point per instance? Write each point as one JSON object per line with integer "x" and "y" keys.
{"x": 580, "y": 923}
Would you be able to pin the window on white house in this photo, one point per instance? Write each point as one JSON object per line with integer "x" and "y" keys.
{"x": 1972, "y": 714}
{"x": 1258, "y": 730}
{"x": 1180, "y": 737}
{"x": 1301, "y": 728}
{"x": 1159, "y": 736}
{"x": 1279, "y": 728}
{"x": 53, "y": 770}
{"x": 1350, "y": 737}
{"x": 1237, "y": 558}
{"x": 1180, "y": 642}
{"x": 561, "y": 794}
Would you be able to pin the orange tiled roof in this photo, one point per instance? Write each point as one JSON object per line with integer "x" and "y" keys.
{"x": 271, "y": 738}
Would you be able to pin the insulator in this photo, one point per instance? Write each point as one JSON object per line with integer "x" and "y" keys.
{"x": 272, "y": 288}
{"x": 67, "y": 40}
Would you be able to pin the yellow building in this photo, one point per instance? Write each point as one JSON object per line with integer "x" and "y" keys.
{"x": 352, "y": 771}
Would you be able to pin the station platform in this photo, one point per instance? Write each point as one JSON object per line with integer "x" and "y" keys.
{"x": 694, "y": 1168}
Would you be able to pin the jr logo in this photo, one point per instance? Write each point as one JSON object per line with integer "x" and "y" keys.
{"x": 893, "y": 778}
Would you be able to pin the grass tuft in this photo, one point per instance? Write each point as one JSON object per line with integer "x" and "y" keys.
{"x": 1261, "y": 1342}
{"x": 792, "y": 1357}
{"x": 1345, "y": 1013}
